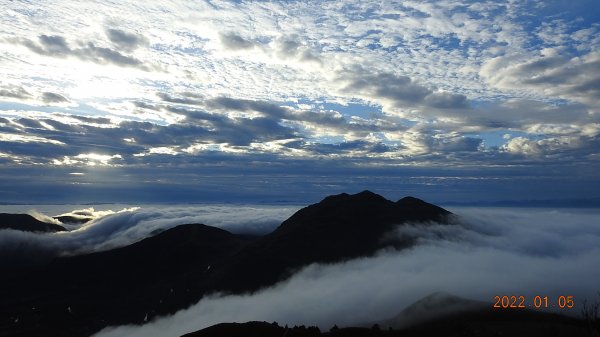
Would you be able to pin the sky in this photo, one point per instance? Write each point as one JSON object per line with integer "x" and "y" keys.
{"x": 286, "y": 101}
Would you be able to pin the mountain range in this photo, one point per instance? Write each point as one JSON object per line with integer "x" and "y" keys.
{"x": 79, "y": 295}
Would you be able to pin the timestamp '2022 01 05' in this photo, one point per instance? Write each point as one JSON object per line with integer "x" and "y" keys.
{"x": 538, "y": 302}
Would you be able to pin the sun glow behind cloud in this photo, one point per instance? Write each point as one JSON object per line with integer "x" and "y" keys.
{"x": 90, "y": 159}
{"x": 27, "y": 139}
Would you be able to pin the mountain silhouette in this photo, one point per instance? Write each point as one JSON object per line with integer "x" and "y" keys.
{"x": 27, "y": 223}
{"x": 81, "y": 294}
{"x": 255, "y": 329}
{"x": 338, "y": 228}
{"x": 175, "y": 268}
{"x": 434, "y": 306}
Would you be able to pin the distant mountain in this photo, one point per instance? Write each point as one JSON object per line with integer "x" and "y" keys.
{"x": 432, "y": 307}
{"x": 73, "y": 220}
{"x": 79, "y": 295}
{"x": 442, "y": 314}
{"x": 27, "y": 223}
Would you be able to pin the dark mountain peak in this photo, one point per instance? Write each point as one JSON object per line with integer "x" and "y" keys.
{"x": 339, "y": 227}
{"x": 364, "y": 196}
{"x": 367, "y": 195}
{"x": 367, "y": 192}
{"x": 183, "y": 243}
{"x": 27, "y": 223}
{"x": 421, "y": 211}
{"x": 363, "y": 209}
{"x": 339, "y": 208}
{"x": 336, "y": 197}
{"x": 189, "y": 232}
{"x": 409, "y": 199}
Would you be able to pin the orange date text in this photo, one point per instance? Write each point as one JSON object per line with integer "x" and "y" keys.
{"x": 537, "y": 302}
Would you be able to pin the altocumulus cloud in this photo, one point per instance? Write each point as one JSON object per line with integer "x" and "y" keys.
{"x": 492, "y": 252}
{"x": 429, "y": 70}
{"x": 57, "y": 46}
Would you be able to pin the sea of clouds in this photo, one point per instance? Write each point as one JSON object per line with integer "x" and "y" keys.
{"x": 488, "y": 252}
{"x": 491, "y": 252}
{"x": 110, "y": 229}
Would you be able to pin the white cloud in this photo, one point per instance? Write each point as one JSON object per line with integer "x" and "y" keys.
{"x": 89, "y": 159}
{"x": 6, "y": 137}
{"x": 521, "y": 145}
{"x": 547, "y": 146}
{"x": 43, "y": 217}
{"x": 111, "y": 229}
{"x": 548, "y": 75}
{"x": 185, "y": 43}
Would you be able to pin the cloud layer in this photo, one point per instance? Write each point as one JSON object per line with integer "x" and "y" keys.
{"x": 111, "y": 229}
{"x": 493, "y": 252}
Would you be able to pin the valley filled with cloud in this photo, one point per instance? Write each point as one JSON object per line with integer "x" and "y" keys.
{"x": 485, "y": 252}
{"x": 489, "y": 252}
{"x": 110, "y": 229}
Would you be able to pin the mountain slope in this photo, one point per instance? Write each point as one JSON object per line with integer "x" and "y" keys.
{"x": 254, "y": 329}
{"x": 443, "y": 314}
{"x": 82, "y": 294}
{"x": 338, "y": 228}
{"x": 432, "y": 307}
{"x": 27, "y": 223}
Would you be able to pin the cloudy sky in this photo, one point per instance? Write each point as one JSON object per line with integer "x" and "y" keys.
{"x": 290, "y": 101}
